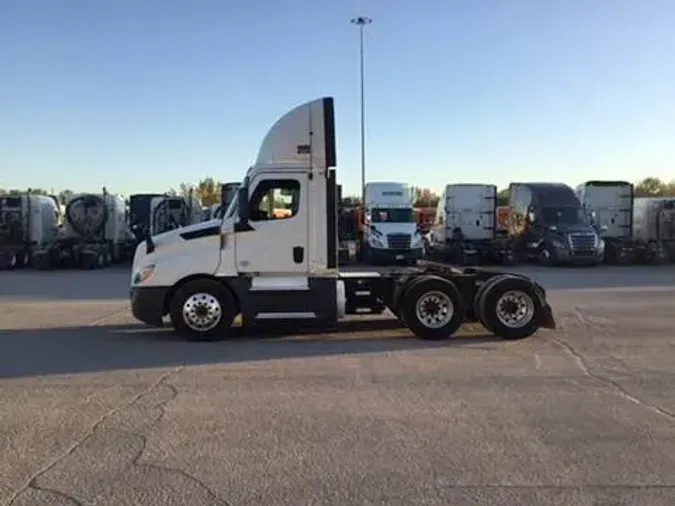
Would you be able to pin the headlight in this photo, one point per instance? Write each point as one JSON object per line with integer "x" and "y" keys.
{"x": 557, "y": 244}
{"x": 416, "y": 240}
{"x": 144, "y": 274}
{"x": 601, "y": 245}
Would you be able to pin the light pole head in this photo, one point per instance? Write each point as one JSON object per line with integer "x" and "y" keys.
{"x": 361, "y": 20}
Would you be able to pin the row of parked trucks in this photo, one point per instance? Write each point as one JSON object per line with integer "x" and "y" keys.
{"x": 551, "y": 223}
{"x": 92, "y": 230}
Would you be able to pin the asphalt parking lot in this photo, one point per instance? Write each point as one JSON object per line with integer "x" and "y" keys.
{"x": 96, "y": 410}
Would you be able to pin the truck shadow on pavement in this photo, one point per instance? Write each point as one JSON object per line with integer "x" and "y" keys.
{"x": 72, "y": 350}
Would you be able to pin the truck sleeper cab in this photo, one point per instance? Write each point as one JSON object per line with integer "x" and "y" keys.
{"x": 391, "y": 231}
{"x": 548, "y": 223}
{"x": 270, "y": 267}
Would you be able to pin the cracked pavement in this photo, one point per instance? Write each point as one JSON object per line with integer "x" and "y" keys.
{"x": 97, "y": 410}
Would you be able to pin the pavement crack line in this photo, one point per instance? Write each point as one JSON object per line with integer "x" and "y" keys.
{"x": 615, "y": 387}
{"x": 136, "y": 462}
{"x": 582, "y": 487}
{"x": 89, "y": 433}
{"x": 58, "y": 493}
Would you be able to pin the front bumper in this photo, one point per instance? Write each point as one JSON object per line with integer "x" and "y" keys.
{"x": 382, "y": 254}
{"x": 148, "y": 303}
{"x": 567, "y": 256}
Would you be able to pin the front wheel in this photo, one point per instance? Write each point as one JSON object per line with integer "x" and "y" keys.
{"x": 202, "y": 310}
{"x": 547, "y": 256}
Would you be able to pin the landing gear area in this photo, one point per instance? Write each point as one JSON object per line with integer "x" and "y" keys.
{"x": 431, "y": 300}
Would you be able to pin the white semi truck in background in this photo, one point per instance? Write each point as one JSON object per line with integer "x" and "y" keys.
{"x": 271, "y": 269}
{"x": 465, "y": 228}
{"x": 27, "y": 223}
{"x": 634, "y": 229}
{"x": 609, "y": 205}
{"x": 390, "y": 226}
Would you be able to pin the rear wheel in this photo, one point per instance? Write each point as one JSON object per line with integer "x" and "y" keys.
{"x": 510, "y": 308}
{"x": 432, "y": 308}
{"x": 202, "y": 310}
{"x": 477, "y": 301}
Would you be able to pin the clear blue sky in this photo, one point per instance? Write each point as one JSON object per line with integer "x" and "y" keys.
{"x": 140, "y": 95}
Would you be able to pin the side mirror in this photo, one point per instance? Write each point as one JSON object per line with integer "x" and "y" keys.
{"x": 530, "y": 217}
{"x": 242, "y": 204}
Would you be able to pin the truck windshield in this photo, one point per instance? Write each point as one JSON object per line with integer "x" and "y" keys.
{"x": 386, "y": 215}
{"x": 563, "y": 216}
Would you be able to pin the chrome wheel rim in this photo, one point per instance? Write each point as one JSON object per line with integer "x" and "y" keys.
{"x": 515, "y": 309}
{"x": 202, "y": 312}
{"x": 434, "y": 309}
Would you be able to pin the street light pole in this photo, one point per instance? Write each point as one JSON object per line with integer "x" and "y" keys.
{"x": 361, "y": 21}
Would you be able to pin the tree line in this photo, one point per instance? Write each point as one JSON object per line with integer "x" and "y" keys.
{"x": 208, "y": 191}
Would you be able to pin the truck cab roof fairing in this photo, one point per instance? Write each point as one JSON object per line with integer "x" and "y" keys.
{"x": 303, "y": 137}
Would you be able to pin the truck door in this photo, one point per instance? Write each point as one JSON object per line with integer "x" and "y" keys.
{"x": 278, "y": 215}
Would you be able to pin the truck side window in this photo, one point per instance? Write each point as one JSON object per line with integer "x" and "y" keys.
{"x": 275, "y": 199}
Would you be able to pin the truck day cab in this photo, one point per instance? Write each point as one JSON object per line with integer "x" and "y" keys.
{"x": 269, "y": 269}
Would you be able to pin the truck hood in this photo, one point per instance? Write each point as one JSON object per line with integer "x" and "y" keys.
{"x": 395, "y": 228}
{"x": 173, "y": 236}
{"x": 571, "y": 229}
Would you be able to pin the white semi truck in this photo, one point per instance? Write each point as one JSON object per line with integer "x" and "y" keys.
{"x": 271, "y": 269}
{"x": 93, "y": 235}
{"x": 390, "y": 227}
{"x": 609, "y": 205}
{"x": 27, "y": 222}
{"x": 654, "y": 227}
{"x": 464, "y": 229}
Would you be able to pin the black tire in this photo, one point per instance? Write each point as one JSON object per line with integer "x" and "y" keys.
{"x": 477, "y": 305}
{"x": 547, "y": 255}
{"x": 211, "y": 296}
{"x": 492, "y": 297}
{"x": 100, "y": 262}
{"x": 42, "y": 261}
{"x": 431, "y": 288}
{"x": 22, "y": 259}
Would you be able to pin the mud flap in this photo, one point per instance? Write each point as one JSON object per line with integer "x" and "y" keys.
{"x": 546, "y": 319}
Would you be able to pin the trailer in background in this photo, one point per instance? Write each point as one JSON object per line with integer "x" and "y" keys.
{"x": 654, "y": 228}
{"x": 27, "y": 222}
{"x": 94, "y": 234}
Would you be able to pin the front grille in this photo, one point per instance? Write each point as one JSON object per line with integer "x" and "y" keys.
{"x": 582, "y": 243}
{"x": 398, "y": 241}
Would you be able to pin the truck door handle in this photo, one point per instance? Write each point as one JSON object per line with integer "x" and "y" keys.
{"x": 298, "y": 254}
